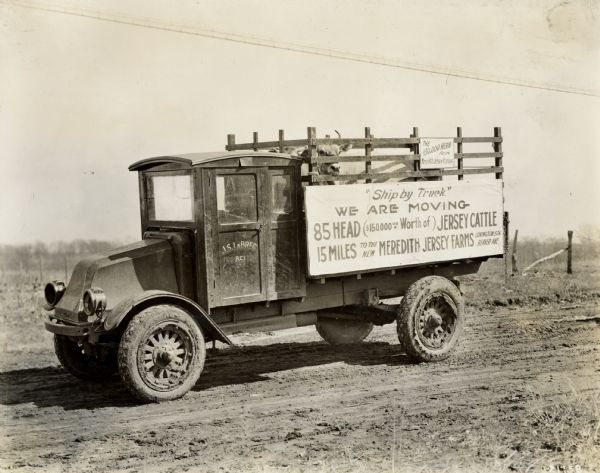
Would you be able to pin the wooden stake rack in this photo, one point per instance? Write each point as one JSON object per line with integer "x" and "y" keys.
{"x": 369, "y": 144}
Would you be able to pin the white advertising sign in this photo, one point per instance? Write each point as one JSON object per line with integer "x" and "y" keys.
{"x": 436, "y": 153}
{"x": 359, "y": 227}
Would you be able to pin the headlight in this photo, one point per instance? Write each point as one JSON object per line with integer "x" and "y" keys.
{"x": 94, "y": 301}
{"x": 53, "y": 292}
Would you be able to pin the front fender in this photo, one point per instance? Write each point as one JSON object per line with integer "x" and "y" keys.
{"x": 134, "y": 304}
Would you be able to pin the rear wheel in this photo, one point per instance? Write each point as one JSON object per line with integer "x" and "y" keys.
{"x": 161, "y": 353}
{"x": 430, "y": 319}
{"x": 339, "y": 331}
{"x": 83, "y": 364}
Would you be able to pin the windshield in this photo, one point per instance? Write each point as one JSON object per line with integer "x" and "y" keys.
{"x": 170, "y": 197}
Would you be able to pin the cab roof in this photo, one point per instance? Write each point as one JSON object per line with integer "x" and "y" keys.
{"x": 198, "y": 159}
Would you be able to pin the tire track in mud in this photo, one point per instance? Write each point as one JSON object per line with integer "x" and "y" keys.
{"x": 265, "y": 392}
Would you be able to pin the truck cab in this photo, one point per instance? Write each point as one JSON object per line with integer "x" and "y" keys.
{"x": 238, "y": 215}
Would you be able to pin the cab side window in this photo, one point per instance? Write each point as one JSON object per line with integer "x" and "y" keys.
{"x": 236, "y": 198}
{"x": 281, "y": 193}
{"x": 169, "y": 197}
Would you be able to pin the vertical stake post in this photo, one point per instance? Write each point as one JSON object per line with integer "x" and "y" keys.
{"x": 459, "y": 150}
{"x": 255, "y": 140}
{"x": 498, "y": 149}
{"x": 311, "y": 132}
{"x": 230, "y": 142}
{"x": 416, "y": 162}
{"x": 368, "y": 150}
{"x": 570, "y": 253}
{"x": 281, "y": 141}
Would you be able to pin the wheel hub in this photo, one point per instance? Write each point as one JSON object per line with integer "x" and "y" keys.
{"x": 162, "y": 357}
{"x": 436, "y": 322}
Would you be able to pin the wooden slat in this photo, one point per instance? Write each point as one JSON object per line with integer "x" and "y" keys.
{"x": 407, "y": 174}
{"x": 265, "y": 145}
{"x": 480, "y": 139}
{"x": 374, "y": 142}
{"x": 477, "y": 155}
{"x": 356, "y": 142}
{"x": 485, "y": 170}
{"x": 363, "y": 158}
{"x": 395, "y": 157}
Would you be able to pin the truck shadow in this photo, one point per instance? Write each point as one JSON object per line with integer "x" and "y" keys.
{"x": 53, "y": 387}
{"x": 239, "y": 365}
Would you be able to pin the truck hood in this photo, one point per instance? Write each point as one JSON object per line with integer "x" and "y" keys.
{"x": 128, "y": 270}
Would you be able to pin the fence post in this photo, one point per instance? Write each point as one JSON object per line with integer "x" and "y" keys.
{"x": 506, "y": 221}
{"x": 570, "y": 253}
{"x": 515, "y": 269}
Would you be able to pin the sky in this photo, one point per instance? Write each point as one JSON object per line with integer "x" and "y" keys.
{"x": 82, "y": 98}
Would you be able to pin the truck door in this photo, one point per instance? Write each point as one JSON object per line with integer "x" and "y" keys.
{"x": 286, "y": 275}
{"x": 240, "y": 235}
{"x": 255, "y": 220}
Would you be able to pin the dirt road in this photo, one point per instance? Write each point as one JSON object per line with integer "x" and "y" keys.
{"x": 521, "y": 393}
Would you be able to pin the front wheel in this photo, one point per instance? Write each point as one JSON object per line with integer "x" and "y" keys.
{"x": 430, "y": 319}
{"x": 81, "y": 363}
{"x": 161, "y": 353}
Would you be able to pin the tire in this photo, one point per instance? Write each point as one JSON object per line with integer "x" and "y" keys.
{"x": 81, "y": 365}
{"x": 430, "y": 319}
{"x": 161, "y": 353}
{"x": 342, "y": 331}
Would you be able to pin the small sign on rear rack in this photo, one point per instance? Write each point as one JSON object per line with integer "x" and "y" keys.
{"x": 436, "y": 153}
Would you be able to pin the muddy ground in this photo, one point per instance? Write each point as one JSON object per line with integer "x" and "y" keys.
{"x": 522, "y": 393}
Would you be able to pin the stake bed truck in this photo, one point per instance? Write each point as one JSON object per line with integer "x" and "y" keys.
{"x": 304, "y": 234}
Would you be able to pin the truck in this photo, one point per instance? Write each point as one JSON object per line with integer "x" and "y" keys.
{"x": 278, "y": 234}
